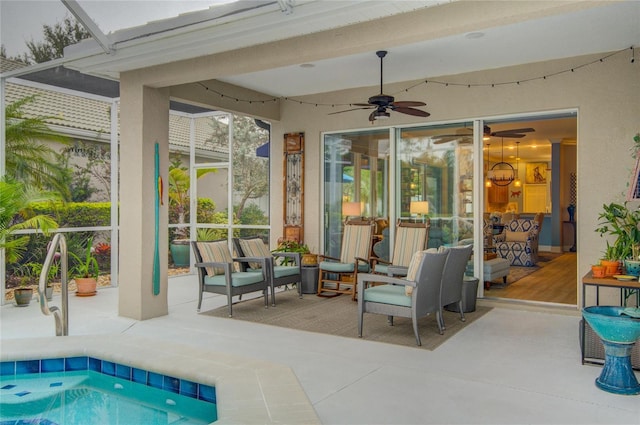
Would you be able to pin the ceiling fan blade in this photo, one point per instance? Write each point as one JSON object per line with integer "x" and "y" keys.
{"x": 412, "y": 111}
{"x": 507, "y": 134}
{"x": 372, "y": 116}
{"x": 347, "y": 110}
{"x": 463, "y": 140}
{"x": 407, "y": 103}
{"x": 512, "y": 132}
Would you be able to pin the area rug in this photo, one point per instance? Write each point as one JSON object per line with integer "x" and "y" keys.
{"x": 339, "y": 316}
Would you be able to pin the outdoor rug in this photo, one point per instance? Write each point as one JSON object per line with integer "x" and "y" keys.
{"x": 339, "y": 316}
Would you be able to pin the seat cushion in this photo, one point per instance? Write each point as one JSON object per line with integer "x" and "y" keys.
{"x": 237, "y": 279}
{"x": 381, "y": 268}
{"x": 281, "y": 271}
{"x": 333, "y": 266}
{"x": 388, "y": 294}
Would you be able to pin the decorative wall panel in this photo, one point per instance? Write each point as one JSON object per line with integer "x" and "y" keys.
{"x": 293, "y": 186}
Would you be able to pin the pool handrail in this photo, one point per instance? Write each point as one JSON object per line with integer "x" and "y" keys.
{"x": 61, "y": 315}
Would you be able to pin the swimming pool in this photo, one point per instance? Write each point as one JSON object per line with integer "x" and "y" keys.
{"x": 83, "y": 389}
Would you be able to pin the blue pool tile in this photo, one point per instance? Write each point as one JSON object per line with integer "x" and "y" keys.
{"x": 28, "y": 366}
{"x": 55, "y": 384}
{"x": 188, "y": 388}
{"x": 7, "y": 368}
{"x": 154, "y": 380}
{"x": 8, "y": 387}
{"x": 52, "y": 365}
{"x": 95, "y": 364}
{"x": 207, "y": 393}
{"x": 123, "y": 372}
{"x": 23, "y": 393}
{"x": 76, "y": 363}
{"x": 108, "y": 368}
{"x": 139, "y": 376}
{"x": 171, "y": 384}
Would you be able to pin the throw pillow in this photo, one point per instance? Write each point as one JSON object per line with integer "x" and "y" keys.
{"x": 254, "y": 248}
{"x": 216, "y": 252}
{"x": 516, "y": 236}
{"x": 412, "y": 271}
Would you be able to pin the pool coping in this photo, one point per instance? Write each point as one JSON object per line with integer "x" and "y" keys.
{"x": 248, "y": 390}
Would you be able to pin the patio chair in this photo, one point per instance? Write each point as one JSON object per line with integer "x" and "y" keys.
{"x": 414, "y": 296}
{"x": 281, "y": 274}
{"x": 410, "y": 238}
{"x": 453, "y": 277}
{"x": 217, "y": 272}
{"x": 339, "y": 275}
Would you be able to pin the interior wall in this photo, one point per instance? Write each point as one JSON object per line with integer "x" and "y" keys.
{"x": 604, "y": 93}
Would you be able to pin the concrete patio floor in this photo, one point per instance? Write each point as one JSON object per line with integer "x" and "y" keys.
{"x": 513, "y": 365}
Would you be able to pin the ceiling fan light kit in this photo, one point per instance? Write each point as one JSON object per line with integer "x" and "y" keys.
{"x": 383, "y": 103}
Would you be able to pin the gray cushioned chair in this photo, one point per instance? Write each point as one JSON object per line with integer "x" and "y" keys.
{"x": 282, "y": 273}
{"x": 453, "y": 277}
{"x": 217, "y": 274}
{"x": 424, "y": 277}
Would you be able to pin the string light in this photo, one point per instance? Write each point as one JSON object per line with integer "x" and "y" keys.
{"x": 425, "y": 82}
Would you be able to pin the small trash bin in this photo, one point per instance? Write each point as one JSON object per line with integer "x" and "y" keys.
{"x": 469, "y": 295}
{"x": 309, "y": 279}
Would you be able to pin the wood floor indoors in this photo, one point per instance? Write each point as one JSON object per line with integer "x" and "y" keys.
{"x": 554, "y": 282}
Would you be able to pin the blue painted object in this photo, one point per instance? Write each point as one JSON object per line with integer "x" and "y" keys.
{"x": 632, "y": 267}
{"x": 618, "y": 333}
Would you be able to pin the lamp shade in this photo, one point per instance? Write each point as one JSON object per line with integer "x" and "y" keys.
{"x": 419, "y": 207}
{"x": 351, "y": 209}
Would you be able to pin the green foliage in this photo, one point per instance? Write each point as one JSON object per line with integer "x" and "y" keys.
{"x": 56, "y": 38}
{"x": 621, "y": 222}
{"x": 28, "y": 159}
{"x": 85, "y": 265}
{"x": 252, "y": 214}
{"x": 17, "y": 213}
{"x": 77, "y": 214}
{"x": 292, "y": 246}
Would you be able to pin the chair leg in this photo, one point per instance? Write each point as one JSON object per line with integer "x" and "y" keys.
{"x": 266, "y": 297}
{"x": 199, "y": 301}
{"x": 440, "y": 322}
{"x": 390, "y": 320}
{"x": 273, "y": 295}
{"x": 462, "y": 318}
{"x": 230, "y": 302}
{"x": 360, "y": 317}
{"x": 414, "y": 319}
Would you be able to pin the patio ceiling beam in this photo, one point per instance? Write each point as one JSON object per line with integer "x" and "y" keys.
{"x": 90, "y": 25}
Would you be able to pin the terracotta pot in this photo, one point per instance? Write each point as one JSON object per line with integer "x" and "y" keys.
{"x": 86, "y": 286}
{"x": 611, "y": 267}
{"x": 598, "y": 271}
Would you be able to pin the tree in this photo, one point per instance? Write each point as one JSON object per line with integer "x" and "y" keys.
{"x": 56, "y": 38}
{"x": 250, "y": 173}
{"x": 27, "y": 158}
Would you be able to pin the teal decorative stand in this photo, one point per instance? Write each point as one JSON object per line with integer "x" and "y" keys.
{"x": 618, "y": 333}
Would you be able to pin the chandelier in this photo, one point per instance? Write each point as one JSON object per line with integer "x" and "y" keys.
{"x": 502, "y": 173}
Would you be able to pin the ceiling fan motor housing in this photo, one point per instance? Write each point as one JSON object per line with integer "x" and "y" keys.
{"x": 381, "y": 100}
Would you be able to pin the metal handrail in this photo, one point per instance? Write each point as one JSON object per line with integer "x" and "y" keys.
{"x": 61, "y": 314}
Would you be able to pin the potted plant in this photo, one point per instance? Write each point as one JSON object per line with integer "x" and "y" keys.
{"x": 85, "y": 271}
{"x": 23, "y": 293}
{"x": 307, "y": 258}
{"x": 621, "y": 222}
{"x": 179, "y": 189}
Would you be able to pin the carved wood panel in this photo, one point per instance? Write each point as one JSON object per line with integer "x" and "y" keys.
{"x": 293, "y": 203}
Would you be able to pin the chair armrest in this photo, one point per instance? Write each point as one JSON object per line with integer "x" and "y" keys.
{"x": 267, "y": 262}
{"x": 375, "y": 260}
{"x": 326, "y": 257}
{"x": 295, "y": 256}
{"x": 364, "y": 278}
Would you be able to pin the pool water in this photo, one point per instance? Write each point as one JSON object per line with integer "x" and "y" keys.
{"x": 93, "y": 397}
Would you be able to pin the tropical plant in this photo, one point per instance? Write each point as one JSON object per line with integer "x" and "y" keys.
{"x": 16, "y": 199}
{"x": 27, "y": 158}
{"x": 179, "y": 187}
{"x": 292, "y": 246}
{"x": 86, "y": 266}
{"x": 623, "y": 223}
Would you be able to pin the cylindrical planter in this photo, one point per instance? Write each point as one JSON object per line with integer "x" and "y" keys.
{"x": 611, "y": 267}
{"x": 598, "y": 271}
{"x": 180, "y": 252}
{"x": 23, "y": 296}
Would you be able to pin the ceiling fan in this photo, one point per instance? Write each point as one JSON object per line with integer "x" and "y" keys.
{"x": 383, "y": 103}
{"x": 514, "y": 133}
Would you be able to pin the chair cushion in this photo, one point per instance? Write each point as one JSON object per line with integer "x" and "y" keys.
{"x": 413, "y": 269}
{"x": 254, "y": 247}
{"x": 280, "y": 271}
{"x": 217, "y": 252}
{"x": 333, "y": 266}
{"x": 237, "y": 279}
{"x": 356, "y": 242}
{"x": 388, "y": 294}
{"x": 516, "y": 236}
{"x": 381, "y": 268}
{"x": 408, "y": 241}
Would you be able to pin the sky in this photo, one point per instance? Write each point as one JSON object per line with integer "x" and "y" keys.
{"x": 22, "y": 20}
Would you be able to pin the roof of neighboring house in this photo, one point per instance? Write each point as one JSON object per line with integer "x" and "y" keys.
{"x": 80, "y": 115}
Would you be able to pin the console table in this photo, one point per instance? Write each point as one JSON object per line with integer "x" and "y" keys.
{"x": 590, "y": 344}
